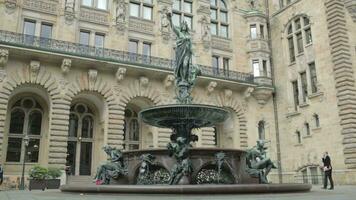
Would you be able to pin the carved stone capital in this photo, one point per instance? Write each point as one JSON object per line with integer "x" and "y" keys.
{"x": 168, "y": 81}
{"x": 4, "y": 56}
{"x": 262, "y": 94}
{"x": 35, "y": 68}
{"x": 92, "y": 77}
{"x": 248, "y": 92}
{"x": 66, "y": 65}
{"x": 228, "y": 93}
{"x": 120, "y": 74}
{"x": 211, "y": 87}
{"x": 144, "y": 81}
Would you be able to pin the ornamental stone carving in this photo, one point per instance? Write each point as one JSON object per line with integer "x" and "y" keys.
{"x": 165, "y": 26}
{"x": 141, "y": 26}
{"x": 34, "y": 68}
{"x": 2, "y": 75}
{"x": 351, "y": 7}
{"x": 228, "y": 93}
{"x": 205, "y": 31}
{"x": 66, "y": 65}
{"x": 121, "y": 15}
{"x": 221, "y": 44}
{"x": 248, "y": 92}
{"x": 69, "y": 11}
{"x": 144, "y": 81}
{"x": 211, "y": 87}
{"x": 120, "y": 74}
{"x": 50, "y": 7}
{"x": 92, "y": 76}
{"x": 94, "y": 16}
{"x": 262, "y": 94}
{"x": 4, "y": 56}
{"x": 168, "y": 81}
{"x": 10, "y": 6}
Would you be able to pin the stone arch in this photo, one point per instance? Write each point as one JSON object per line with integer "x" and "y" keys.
{"x": 227, "y": 100}
{"x": 103, "y": 89}
{"x": 291, "y": 18}
{"x": 47, "y": 81}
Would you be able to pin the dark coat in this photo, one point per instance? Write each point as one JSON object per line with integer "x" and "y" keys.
{"x": 327, "y": 162}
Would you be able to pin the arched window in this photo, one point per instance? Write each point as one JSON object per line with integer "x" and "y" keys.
{"x": 183, "y": 11}
{"x": 219, "y": 18}
{"x": 261, "y": 130}
{"x": 24, "y": 131}
{"x": 298, "y": 29}
{"x": 307, "y": 128}
{"x": 131, "y": 130}
{"x": 299, "y": 137}
{"x": 80, "y": 139}
{"x": 316, "y": 120}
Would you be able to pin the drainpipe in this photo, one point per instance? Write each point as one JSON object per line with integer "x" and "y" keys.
{"x": 275, "y": 107}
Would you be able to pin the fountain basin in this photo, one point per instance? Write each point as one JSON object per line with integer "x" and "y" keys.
{"x": 192, "y": 115}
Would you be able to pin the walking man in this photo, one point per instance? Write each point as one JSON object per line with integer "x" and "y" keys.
{"x": 327, "y": 171}
{"x": 1, "y": 174}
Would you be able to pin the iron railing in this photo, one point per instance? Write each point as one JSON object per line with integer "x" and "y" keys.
{"x": 104, "y": 54}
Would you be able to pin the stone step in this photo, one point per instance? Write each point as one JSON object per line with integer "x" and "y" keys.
{"x": 77, "y": 180}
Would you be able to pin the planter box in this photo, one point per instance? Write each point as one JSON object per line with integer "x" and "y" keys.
{"x": 37, "y": 184}
{"x": 53, "y": 183}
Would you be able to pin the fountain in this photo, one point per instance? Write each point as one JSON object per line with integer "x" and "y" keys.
{"x": 181, "y": 168}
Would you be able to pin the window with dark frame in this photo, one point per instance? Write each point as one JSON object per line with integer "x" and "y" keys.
{"x": 313, "y": 77}
{"x": 307, "y": 128}
{"x": 215, "y": 64}
{"x": 219, "y": 18}
{"x": 182, "y": 11}
{"x": 46, "y": 30}
{"x": 99, "y": 40}
{"x": 295, "y": 94}
{"x": 303, "y": 77}
{"x": 84, "y": 37}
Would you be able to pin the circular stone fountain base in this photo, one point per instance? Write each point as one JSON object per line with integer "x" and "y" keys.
{"x": 189, "y": 189}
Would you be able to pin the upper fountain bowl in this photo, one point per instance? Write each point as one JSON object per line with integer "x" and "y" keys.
{"x": 196, "y": 115}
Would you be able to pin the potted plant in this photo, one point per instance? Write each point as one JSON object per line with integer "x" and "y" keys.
{"x": 53, "y": 174}
{"x": 38, "y": 175}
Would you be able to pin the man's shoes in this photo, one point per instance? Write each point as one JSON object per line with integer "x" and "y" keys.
{"x": 331, "y": 188}
{"x": 323, "y": 188}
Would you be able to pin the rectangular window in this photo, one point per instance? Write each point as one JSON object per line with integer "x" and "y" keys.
{"x": 14, "y": 150}
{"x": 291, "y": 49}
{"x": 46, "y": 30}
{"x": 226, "y": 66}
{"x": 262, "y": 31}
{"x": 308, "y": 36}
{"x": 84, "y": 37}
{"x": 223, "y": 16}
{"x": 256, "y": 68}
{"x": 303, "y": 77}
{"x": 295, "y": 94}
{"x": 29, "y": 27}
{"x": 213, "y": 14}
{"x": 134, "y": 9}
{"x": 133, "y": 46}
{"x": 297, "y": 24}
{"x": 147, "y": 13}
{"x": 102, "y": 4}
{"x": 253, "y": 31}
{"x": 223, "y": 31}
{"x": 215, "y": 64}
{"x": 189, "y": 21}
{"x": 187, "y": 7}
{"x": 176, "y": 19}
{"x": 146, "y": 50}
{"x": 313, "y": 78}
{"x": 176, "y": 5}
{"x": 214, "y": 28}
{"x": 264, "y": 68}
{"x": 99, "y": 40}
{"x": 87, "y": 3}
{"x": 300, "y": 42}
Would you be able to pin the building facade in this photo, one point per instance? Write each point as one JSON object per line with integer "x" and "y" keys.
{"x": 74, "y": 74}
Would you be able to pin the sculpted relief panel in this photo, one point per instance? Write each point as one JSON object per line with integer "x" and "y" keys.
{"x": 43, "y": 6}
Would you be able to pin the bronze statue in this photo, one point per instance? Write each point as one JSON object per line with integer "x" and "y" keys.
{"x": 144, "y": 174}
{"x": 185, "y": 72}
{"x": 112, "y": 168}
{"x": 258, "y": 165}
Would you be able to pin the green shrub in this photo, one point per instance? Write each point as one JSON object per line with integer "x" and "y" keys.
{"x": 38, "y": 172}
{"x": 54, "y": 173}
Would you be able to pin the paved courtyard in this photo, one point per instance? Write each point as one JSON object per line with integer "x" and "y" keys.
{"x": 340, "y": 193}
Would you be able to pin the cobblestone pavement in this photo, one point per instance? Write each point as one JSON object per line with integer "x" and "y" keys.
{"x": 340, "y": 193}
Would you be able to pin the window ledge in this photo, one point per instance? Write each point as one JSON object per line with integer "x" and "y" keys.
{"x": 292, "y": 114}
{"x": 220, "y": 37}
{"x": 20, "y": 163}
{"x": 307, "y": 136}
{"x": 145, "y": 20}
{"x": 298, "y": 145}
{"x": 300, "y": 54}
{"x": 317, "y": 129}
{"x": 303, "y": 105}
{"x": 309, "y": 45}
{"x": 315, "y": 95}
{"x": 292, "y": 63}
{"x": 96, "y": 9}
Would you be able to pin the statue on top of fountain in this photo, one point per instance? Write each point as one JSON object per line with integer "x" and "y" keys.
{"x": 258, "y": 164}
{"x": 185, "y": 72}
{"x": 113, "y": 168}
